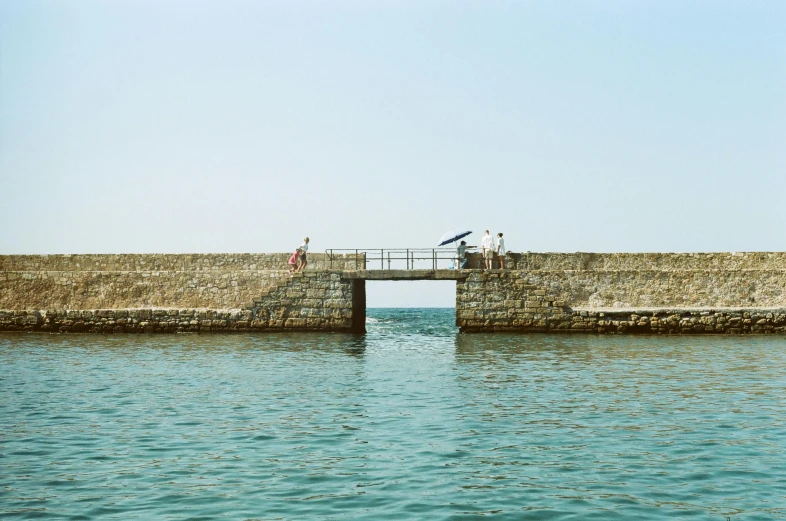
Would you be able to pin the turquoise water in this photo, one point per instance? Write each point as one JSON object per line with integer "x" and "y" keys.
{"x": 411, "y": 421}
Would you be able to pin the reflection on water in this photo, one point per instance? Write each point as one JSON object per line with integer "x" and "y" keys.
{"x": 410, "y": 421}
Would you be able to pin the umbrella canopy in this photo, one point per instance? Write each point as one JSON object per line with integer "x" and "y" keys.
{"x": 452, "y": 236}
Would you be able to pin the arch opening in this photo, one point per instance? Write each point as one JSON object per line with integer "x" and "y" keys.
{"x": 377, "y": 296}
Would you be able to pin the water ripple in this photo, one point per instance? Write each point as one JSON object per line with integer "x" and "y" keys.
{"x": 410, "y": 421}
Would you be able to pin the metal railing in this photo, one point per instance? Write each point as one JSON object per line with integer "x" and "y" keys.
{"x": 394, "y": 258}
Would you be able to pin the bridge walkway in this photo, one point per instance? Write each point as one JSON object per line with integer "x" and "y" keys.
{"x": 438, "y": 274}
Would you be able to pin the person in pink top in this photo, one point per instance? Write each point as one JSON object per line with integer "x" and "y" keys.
{"x": 293, "y": 261}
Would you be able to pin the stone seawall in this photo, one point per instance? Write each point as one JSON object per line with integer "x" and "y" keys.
{"x": 531, "y": 261}
{"x": 128, "y": 281}
{"x": 142, "y": 262}
{"x": 677, "y": 320}
{"x": 310, "y": 301}
{"x": 628, "y": 293}
{"x": 638, "y": 289}
{"x": 682, "y": 301}
{"x": 136, "y": 293}
{"x": 540, "y": 292}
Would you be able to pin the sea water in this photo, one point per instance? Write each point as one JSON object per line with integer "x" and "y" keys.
{"x": 410, "y": 421}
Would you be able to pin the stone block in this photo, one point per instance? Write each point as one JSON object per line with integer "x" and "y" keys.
{"x": 295, "y": 323}
{"x": 464, "y": 312}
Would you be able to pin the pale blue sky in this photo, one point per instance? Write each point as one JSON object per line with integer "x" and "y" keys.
{"x": 163, "y": 126}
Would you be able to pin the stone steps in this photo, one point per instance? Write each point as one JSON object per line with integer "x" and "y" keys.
{"x": 278, "y": 286}
{"x": 318, "y": 300}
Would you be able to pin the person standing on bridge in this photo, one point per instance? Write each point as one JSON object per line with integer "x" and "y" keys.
{"x": 487, "y": 247}
{"x": 303, "y": 261}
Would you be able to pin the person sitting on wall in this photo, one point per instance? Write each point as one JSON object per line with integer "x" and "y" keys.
{"x": 302, "y": 261}
{"x": 461, "y": 255}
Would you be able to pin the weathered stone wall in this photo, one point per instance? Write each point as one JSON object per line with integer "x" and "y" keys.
{"x": 127, "y": 320}
{"x": 132, "y": 289}
{"x": 309, "y": 301}
{"x": 217, "y": 281}
{"x": 142, "y": 262}
{"x": 625, "y": 300}
{"x": 638, "y": 261}
{"x": 681, "y": 320}
{"x": 663, "y": 288}
{"x": 580, "y": 292}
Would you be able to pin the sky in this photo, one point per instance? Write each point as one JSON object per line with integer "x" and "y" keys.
{"x": 242, "y": 126}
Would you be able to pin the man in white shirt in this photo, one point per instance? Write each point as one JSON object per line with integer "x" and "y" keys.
{"x": 302, "y": 261}
{"x": 487, "y": 247}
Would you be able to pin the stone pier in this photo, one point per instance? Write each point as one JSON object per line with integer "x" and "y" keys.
{"x": 691, "y": 293}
